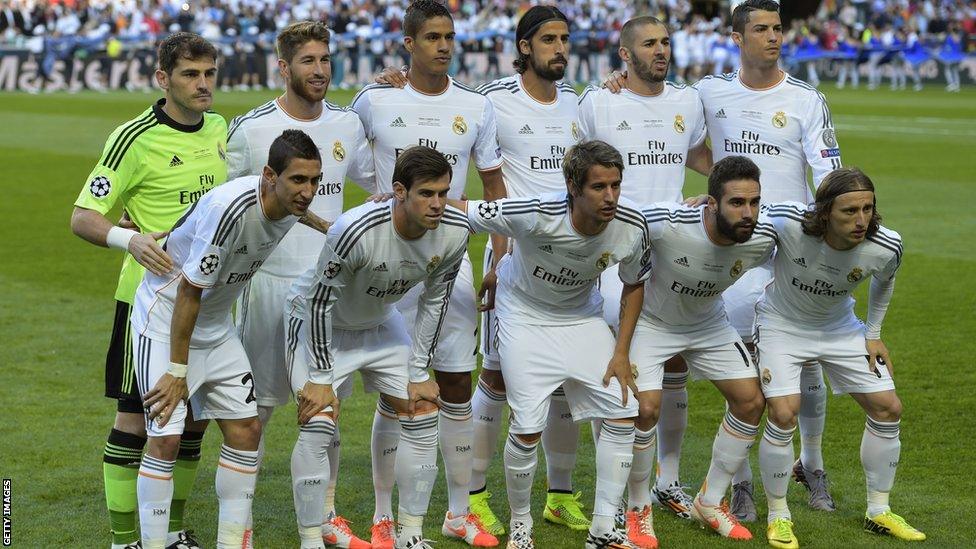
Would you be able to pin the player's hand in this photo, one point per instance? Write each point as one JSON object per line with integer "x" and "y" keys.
{"x": 379, "y": 197}
{"x": 615, "y": 81}
{"x": 486, "y": 293}
{"x": 393, "y": 76}
{"x": 314, "y": 398}
{"x": 695, "y": 201}
{"x": 621, "y": 368}
{"x": 425, "y": 390}
{"x": 878, "y": 354}
{"x": 149, "y": 254}
{"x": 162, "y": 400}
{"x": 126, "y": 222}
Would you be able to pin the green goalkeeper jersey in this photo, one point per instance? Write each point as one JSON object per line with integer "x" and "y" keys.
{"x": 157, "y": 168}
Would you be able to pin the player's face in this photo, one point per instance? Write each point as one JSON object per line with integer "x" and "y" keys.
{"x": 432, "y": 48}
{"x": 309, "y": 72}
{"x": 191, "y": 84}
{"x": 850, "y": 217}
{"x": 738, "y": 211}
{"x": 295, "y": 186}
{"x": 425, "y": 201}
{"x": 650, "y": 53}
{"x": 762, "y": 40}
{"x": 599, "y": 196}
{"x": 547, "y": 50}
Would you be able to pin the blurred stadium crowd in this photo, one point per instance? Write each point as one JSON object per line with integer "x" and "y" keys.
{"x": 849, "y": 39}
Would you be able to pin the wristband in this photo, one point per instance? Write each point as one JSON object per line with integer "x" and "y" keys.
{"x": 177, "y": 370}
{"x": 119, "y": 238}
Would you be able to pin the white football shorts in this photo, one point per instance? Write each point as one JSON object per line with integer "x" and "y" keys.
{"x": 740, "y": 299}
{"x": 260, "y": 326}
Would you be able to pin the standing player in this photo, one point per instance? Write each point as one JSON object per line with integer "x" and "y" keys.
{"x": 157, "y": 164}
{"x": 341, "y": 320}
{"x": 823, "y": 253}
{"x": 550, "y": 325}
{"x": 697, "y": 253}
{"x": 783, "y": 125}
{"x": 659, "y": 127}
{"x": 434, "y": 111}
{"x": 304, "y": 62}
{"x": 186, "y": 346}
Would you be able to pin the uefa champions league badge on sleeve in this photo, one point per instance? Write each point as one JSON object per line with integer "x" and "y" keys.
{"x": 209, "y": 264}
{"x": 100, "y": 186}
{"x": 488, "y": 210}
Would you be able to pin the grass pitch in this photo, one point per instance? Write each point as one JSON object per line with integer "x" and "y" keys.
{"x": 56, "y": 312}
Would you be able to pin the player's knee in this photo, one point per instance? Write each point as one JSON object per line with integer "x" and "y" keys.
{"x": 530, "y": 438}
{"x": 648, "y": 412}
{"x": 889, "y": 409}
{"x": 781, "y": 414}
{"x": 493, "y": 379}
{"x": 166, "y": 448}
{"x": 675, "y": 365}
{"x": 242, "y": 434}
{"x": 454, "y": 387}
{"x": 750, "y": 409}
{"x": 131, "y": 423}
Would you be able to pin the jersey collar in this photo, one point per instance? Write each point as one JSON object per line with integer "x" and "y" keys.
{"x": 165, "y": 119}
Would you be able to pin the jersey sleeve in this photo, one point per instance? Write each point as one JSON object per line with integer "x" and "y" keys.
{"x": 360, "y": 105}
{"x": 699, "y": 132}
{"x": 819, "y": 139}
{"x": 117, "y": 171}
{"x": 656, "y": 216}
{"x": 507, "y": 216}
{"x": 363, "y": 169}
{"x": 587, "y": 114}
{"x": 487, "y": 153}
{"x": 431, "y": 309}
{"x": 636, "y": 267}
{"x": 214, "y": 231}
{"x": 892, "y": 242}
{"x": 238, "y": 151}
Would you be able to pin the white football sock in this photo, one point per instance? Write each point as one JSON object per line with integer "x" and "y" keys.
{"x": 237, "y": 473}
{"x": 310, "y": 472}
{"x": 775, "y": 463}
{"x": 521, "y": 459}
{"x": 880, "y": 451}
{"x": 416, "y": 463}
{"x": 383, "y": 451}
{"x": 813, "y": 414}
{"x": 154, "y": 489}
{"x": 638, "y": 484}
{"x": 333, "y": 451}
{"x": 729, "y": 450}
{"x": 559, "y": 441}
{"x": 614, "y": 458}
{"x": 455, "y": 430}
{"x": 671, "y": 427}
{"x": 487, "y": 407}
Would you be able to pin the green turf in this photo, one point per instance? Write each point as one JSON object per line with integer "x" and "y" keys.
{"x": 56, "y": 310}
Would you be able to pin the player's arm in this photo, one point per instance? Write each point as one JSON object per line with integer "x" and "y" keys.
{"x": 879, "y": 296}
{"x": 238, "y": 150}
{"x": 363, "y": 169}
{"x": 819, "y": 140}
{"x": 631, "y": 301}
{"x": 162, "y": 399}
{"x": 700, "y": 159}
{"x": 315, "y": 222}
{"x": 586, "y": 114}
{"x": 94, "y": 227}
{"x": 494, "y": 188}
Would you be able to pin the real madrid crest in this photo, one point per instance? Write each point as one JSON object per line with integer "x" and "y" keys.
{"x": 779, "y": 120}
{"x": 736, "y": 269}
{"x": 574, "y": 129}
{"x": 679, "y": 123}
{"x": 459, "y": 126}
{"x": 855, "y": 275}
{"x": 338, "y": 152}
{"x": 767, "y": 376}
{"x": 604, "y": 261}
{"x": 434, "y": 262}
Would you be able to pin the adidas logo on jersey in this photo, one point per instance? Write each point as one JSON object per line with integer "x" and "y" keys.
{"x": 683, "y": 261}
{"x": 175, "y": 162}
{"x": 526, "y": 130}
{"x": 241, "y": 250}
{"x": 801, "y": 262}
{"x": 381, "y": 268}
{"x": 623, "y": 126}
{"x": 720, "y": 114}
{"x": 398, "y": 123}
{"x": 547, "y": 248}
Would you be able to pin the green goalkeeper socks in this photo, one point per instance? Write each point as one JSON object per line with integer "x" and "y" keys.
{"x": 184, "y": 474}
{"x": 120, "y": 468}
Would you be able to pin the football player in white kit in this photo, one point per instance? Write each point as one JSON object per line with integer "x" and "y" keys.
{"x": 304, "y": 63}
{"x": 187, "y": 350}
{"x": 696, "y": 253}
{"x": 341, "y": 319}
{"x": 550, "y": 325}
{"x": 784, "y": 126}
{"x": 659, "y": 127}
{"x": 805, "y": 314}
{"x": 435, "y": 111}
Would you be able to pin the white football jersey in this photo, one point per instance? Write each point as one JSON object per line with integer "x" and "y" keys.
{"x": 533, "y": 136}
{"x": 365, "y": 267}
{"x": 218, "y": 245}
{"x": 653, "y": 134}
{"x": 341, "y": 141}
{"x": 550, "y": 278}
{"x": 783, "y": 129}
{"x": 688, "y": 271}
{"x": 813, "y": 283}
{"x": 457, "y": 123}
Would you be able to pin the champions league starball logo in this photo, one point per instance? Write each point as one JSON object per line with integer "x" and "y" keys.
{"x": 100, "y": 186}
{"x": 209, "y": 264}
{"x": 332, "y": 269}
{"x": 488, "y": 210}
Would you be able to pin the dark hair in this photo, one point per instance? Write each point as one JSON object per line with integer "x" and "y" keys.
{"x": 530, "y": 23}
{"x": 838, "y": 182}
{"x": 296, "y": 35}
{"x": 631, "y": 26}
{"x": 418, "y": 164}
{"x": 583, "y": 156}
{"x": 421, "y": 11}
{"x": 291, "y": 144}
{"x": 730, "y": 168}
{"x": 183, "y": 45}
{"x": 740, "y": 16}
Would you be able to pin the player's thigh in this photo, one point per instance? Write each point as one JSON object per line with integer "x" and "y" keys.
{"x": 227, "y": 389}
{"x": 151, "y": 362}
{"x": 262, "y": 331}
{"x": 845, "y": 361}
{"x": 586, "y": 352}
{"x": 716, "y": 353}
{"x": 740, "y": 300}
{"x": 533, "y": 365}
{"x": 650, "y": 348}
{"x": 781, "y": 355}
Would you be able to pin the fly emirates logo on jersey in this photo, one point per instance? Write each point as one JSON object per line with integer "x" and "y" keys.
{"x": 452, "y": 159}
{"x": 551, "y": 162}
{"x": 206, "y": 184}
{"x": 237, "y": 278}
{"x": 750, "y": 143}
{"x": 565, "y": 276}
{"x": 657, "y": 156}
{"x": 396, "y": 287}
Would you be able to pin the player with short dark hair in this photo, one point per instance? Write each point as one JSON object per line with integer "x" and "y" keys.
{"x": 156, "y": 165}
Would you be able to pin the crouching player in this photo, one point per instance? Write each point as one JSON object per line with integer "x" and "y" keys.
{"x": 807, "y": 315}
{"x": 186, "y": 345}
{"x": 340, "y": 319}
